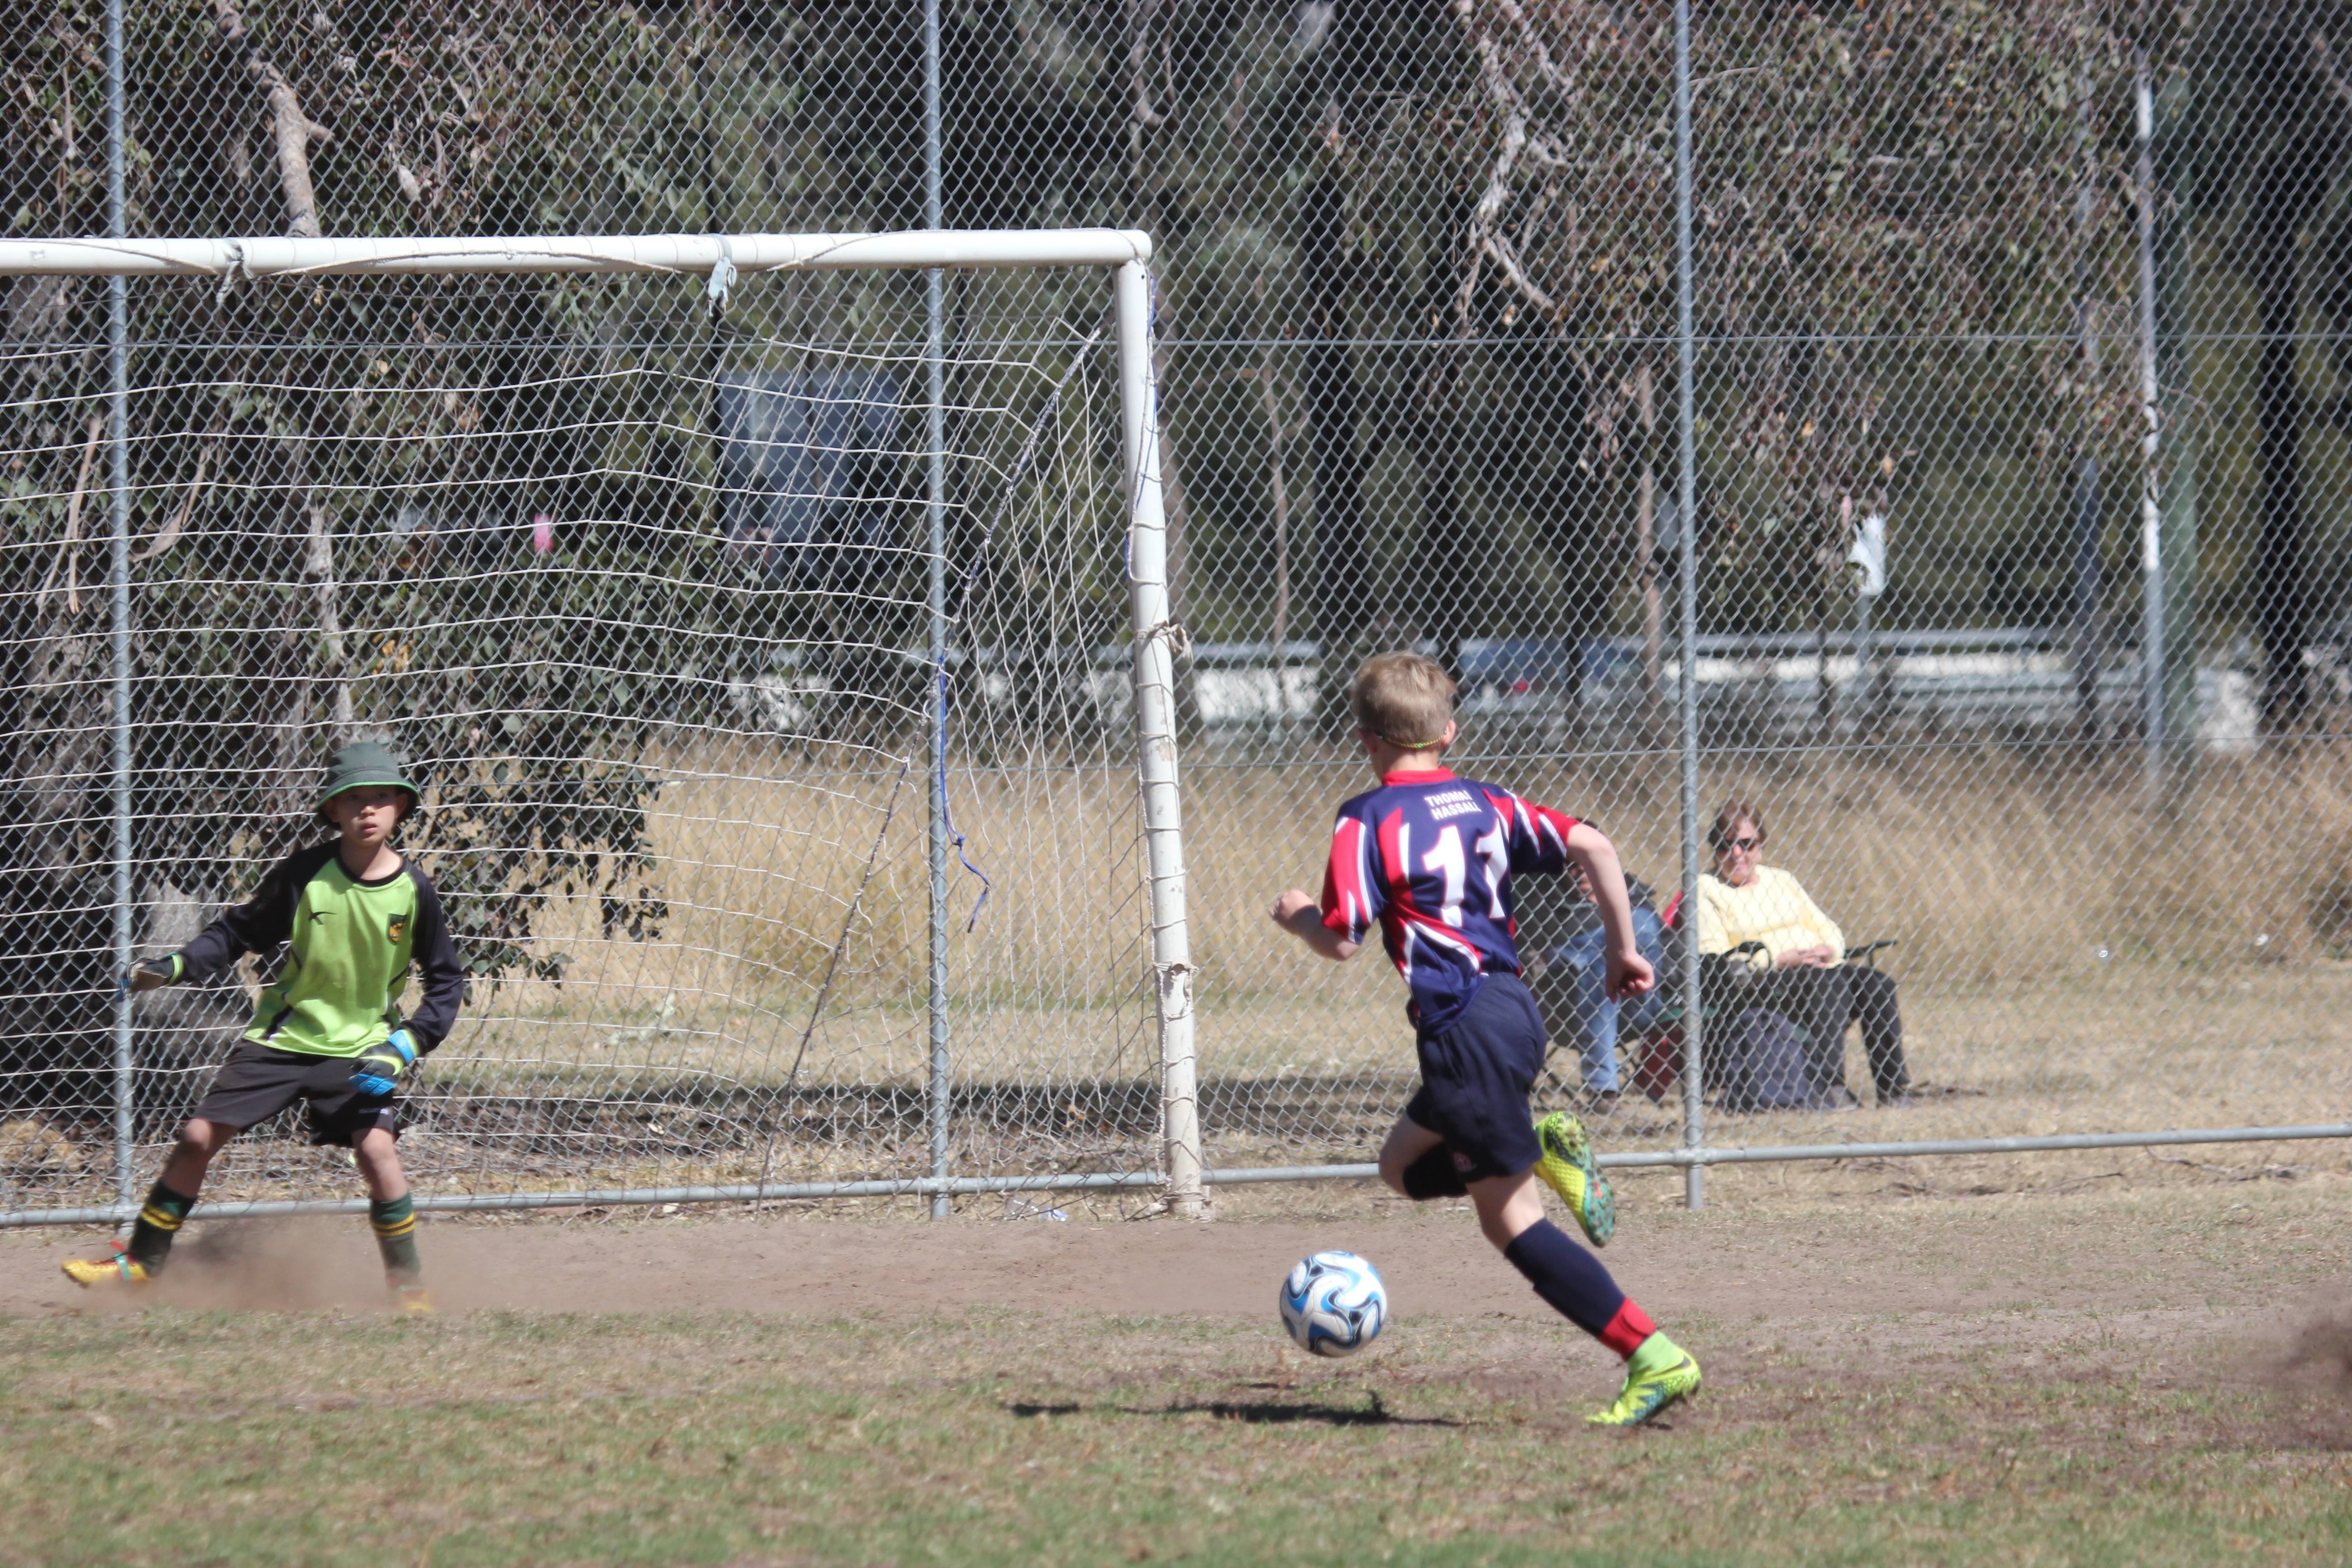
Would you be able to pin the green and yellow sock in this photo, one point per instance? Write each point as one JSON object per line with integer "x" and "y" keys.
{"x": 159, "y": 1221}
{"x": 394, "y": 1224}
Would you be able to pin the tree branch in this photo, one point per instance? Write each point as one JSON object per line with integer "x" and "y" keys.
{"x": 76, "y": 45}
{"x": 1498, "y": 250}
{"x": 1534, "y": 44}
{"x": 2323, "y": 65}
{"x": 1487, "y": 237}
{"x": 172, "y": 525}
{"x": 69, "y": 551}
{"x": 1139, "y": 65}
{"x": 292, "y": 129}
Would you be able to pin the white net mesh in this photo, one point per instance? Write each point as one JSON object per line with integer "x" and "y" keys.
{"x": 642, "y": 597}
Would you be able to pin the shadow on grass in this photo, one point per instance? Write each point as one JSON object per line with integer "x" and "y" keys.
{"x": 1256, "y": 1412}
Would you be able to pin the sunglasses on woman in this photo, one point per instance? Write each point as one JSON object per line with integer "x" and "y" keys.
{"x": 1723, "y": 846}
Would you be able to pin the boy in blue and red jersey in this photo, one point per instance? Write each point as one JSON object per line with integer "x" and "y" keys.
{"x": 1430, "y": 859}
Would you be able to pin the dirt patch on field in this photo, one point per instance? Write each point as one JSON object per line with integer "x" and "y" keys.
{"x": 1930, "y": 1280}
{"x": 1764, "y": 1268}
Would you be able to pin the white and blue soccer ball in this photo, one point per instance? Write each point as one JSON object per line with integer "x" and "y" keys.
{"x": 1334, "y": 1304}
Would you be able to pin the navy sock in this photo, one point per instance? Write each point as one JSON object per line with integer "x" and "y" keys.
{"x": 1434, "y": 1176}
{"x": 1570, "y": 1279}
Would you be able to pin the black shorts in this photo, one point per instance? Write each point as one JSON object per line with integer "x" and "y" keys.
{"x": 256, "y": 1082}
{"x": 1476, "y": 1074}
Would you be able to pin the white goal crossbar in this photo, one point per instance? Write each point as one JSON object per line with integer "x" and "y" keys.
{"x": 724, "y": 257}
{"x": 270, "y": 255}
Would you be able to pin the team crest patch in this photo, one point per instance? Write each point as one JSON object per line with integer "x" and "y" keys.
{"x": 398, "y": 929}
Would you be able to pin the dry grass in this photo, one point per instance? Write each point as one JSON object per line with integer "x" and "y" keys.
{"x": 2007, "y": 880}
{"x": 1988, "y": 864}
{"x": 2054, "y": 936}
{"x": 773, "y": 861}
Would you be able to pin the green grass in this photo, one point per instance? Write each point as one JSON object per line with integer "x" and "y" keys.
{"x": 186, "y": 1437}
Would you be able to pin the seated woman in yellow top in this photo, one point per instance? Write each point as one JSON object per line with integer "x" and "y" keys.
{"x": 1810, "y": 984}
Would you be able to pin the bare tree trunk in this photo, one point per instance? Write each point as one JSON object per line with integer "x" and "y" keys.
{"x": 2287, "y": 195}
{"x": 1278, "y": 493}
{"x": 1645, "y": 558}
{"x": 51, "y": 903}
{"x": 68, "y": 562}
{"x": 318, "y": 566}
{"x": 1486, "y": 235}
{"x": 1829, "y": 569}
{"x": 1448, "y": 572}
{"x": 1825, "y": 714}
{"x": 1342, "y": 570}
{"x": 307, "y": 651}
{"x": 2088, "y": 653}
{"x": 290, "y": 128}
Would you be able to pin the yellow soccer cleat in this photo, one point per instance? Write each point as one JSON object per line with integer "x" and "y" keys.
{"x": 120, "y": 1271}
{"x": 1660, "y": 1373}
{"x": 413, "y": 1301}
{"x": 1565, "y": 1165}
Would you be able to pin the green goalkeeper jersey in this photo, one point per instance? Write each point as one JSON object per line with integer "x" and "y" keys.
{"x": 349, "y": 947}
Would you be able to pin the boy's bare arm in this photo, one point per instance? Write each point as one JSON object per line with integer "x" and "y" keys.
{"x": 1628, "y": 972}
{"x": 1297, "y": 912}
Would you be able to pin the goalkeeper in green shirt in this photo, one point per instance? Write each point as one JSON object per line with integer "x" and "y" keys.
{"x": 353, "y": 914}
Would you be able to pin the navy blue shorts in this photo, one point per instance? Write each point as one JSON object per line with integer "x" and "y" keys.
{"x": 1474, "y": 1077}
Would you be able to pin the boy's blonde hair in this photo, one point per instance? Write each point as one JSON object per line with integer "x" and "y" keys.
{"x": 1403, "y": 698}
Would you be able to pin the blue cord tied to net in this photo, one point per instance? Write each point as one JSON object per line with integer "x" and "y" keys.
{"x": 947, "y": 813}
{"x": 963, "y": 606}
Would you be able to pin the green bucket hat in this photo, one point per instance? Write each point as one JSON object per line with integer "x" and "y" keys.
{"x": 360, "y": 764}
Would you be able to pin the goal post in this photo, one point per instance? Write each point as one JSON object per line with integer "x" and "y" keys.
{"x": 1154, "y": 675}
{"x": 839, "y": 939}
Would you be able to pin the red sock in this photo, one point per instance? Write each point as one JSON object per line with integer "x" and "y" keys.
{"x": 1627, "y": 1329}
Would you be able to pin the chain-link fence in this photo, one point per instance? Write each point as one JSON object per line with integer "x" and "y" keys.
{"x": 2012, "y": 530}
{"x": 623, "y": 564}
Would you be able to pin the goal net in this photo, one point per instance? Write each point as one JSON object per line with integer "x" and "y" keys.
{"x": 759, "y": 617}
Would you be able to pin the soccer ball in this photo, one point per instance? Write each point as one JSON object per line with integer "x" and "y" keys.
{"x": 1334, "y": 1304}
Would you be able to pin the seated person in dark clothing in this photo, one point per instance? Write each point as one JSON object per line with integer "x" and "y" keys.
{"x": 1558, "y": 922}
{"x": 1809, "y": 983}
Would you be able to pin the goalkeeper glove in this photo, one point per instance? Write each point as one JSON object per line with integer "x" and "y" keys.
{"x": 375, "y": 1071}
{"x": 149, "y": 974}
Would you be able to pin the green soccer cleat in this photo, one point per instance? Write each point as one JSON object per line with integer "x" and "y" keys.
{"x": 1660, "y": 1373}
{"x": 1565, "y": 1165}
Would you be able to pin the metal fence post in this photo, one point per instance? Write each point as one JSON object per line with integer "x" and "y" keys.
{"x": 935, "y": 370}
{"x": 118, "y": 420}
{"x": 1686, "y": 490}
{"x": 1154, "y": 675}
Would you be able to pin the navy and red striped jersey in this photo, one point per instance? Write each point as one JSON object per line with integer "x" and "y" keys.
{"x": 1431, "y": 856}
